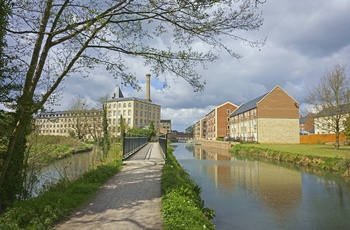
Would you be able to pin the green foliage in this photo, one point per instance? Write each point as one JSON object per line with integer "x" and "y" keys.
{"x": 106, "y": 144}
{"x": 143, "y": 132}
{"x": 59, "y": 202}
{"x": 189, "y": 130}
{"x": 46, "y": 148}
{"x": 336, "y": 164}
{"x": 182, "y": 206}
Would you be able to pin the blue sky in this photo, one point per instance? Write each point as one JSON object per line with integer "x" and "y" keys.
{"x": 304, "y": 40}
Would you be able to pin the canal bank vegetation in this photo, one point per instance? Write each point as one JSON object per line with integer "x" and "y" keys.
{"x": 182, "y": 206}
{"x": 318, "y": 157}
{"x": 44, "y": 149}
{"x": 60, "y": 200}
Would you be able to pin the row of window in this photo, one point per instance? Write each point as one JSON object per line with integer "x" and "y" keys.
{"x": 124, "y": 105}
{"x": 128, "y": 112}
{"x": 65, "y": 120}
{"x": 69, "y": 114}
{"x": 115, "y": 121}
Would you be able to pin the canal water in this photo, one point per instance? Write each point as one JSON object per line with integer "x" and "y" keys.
{"x": 71, "y": 167}
{"x": 251, "y": 194}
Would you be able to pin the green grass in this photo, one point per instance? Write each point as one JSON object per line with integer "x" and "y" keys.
{"x": 182, "y": 206}
{"x": 62, "y": 199}
{"x": 309, "y": 150}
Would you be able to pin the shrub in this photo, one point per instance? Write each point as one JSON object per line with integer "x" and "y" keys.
{"x": 182, "y": 206}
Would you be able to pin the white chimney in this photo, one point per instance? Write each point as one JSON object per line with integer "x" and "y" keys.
{"x": 148, "y": 87}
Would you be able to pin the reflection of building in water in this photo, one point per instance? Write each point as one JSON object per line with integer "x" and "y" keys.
{"x": 276, "y": 187}
{"x": 279, "y": 188}
{"x": 211, "y": 154}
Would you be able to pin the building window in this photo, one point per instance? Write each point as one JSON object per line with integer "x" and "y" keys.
{"x": 129, "y": 104}
{"x": 228, "y": 111}
{"x": 129, "y": 112}
{"x": 228, "y": 119}
{"x": 141, "y": 106}
{"x": 124, "y": 105}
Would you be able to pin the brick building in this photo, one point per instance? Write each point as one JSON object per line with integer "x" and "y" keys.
{"x": 217, "y": 122}
{"x": 270, "y": 118}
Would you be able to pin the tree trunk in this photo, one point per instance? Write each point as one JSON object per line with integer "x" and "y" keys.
{"x": 11, "y": 180}
{"x": 337, "y": 140}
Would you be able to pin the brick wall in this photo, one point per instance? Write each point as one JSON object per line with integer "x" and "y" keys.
{"x": 278, "y": 104}
{"x": 278, "y": 131}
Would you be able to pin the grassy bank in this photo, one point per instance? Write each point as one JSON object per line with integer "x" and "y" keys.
{"x": 320, "y": 157}
{"x": 44, "y": 149}
{"x": 182, "y": 206}
{"x": 62, "y": 199}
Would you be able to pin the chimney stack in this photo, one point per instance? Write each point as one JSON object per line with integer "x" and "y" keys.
{"x": 148, "y": 85}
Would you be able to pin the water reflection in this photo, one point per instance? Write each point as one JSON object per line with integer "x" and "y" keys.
{"x": 71, "y": 167}
{"x": 257, "y": 195}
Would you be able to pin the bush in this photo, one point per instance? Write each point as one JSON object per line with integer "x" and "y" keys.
{"x": 61, "y": 200}
{"x": 182, "y": 206}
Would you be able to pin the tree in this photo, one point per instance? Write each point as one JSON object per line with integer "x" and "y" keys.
{"x": 189, "y": 130}
{"x": 80, "y": 120}
{"x": 151, "y": 131}
{"x": 54, "y": 39}
{"x": 330, "y": 100}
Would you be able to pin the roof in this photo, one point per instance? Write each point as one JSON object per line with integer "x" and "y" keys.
{"x": 343, "y": 109}
{"x": 248, "y": 106}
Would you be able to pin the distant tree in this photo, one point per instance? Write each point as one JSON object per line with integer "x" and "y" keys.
{"x": 122, "y": 126}
{"x": 151, "y": 131}
{"x": 106, "y": 143}
{"x": 189, "y": 130}
{"x": 54, "y": 39}
{"x": 80, "y": 121}
{"x": 330, "y": 100}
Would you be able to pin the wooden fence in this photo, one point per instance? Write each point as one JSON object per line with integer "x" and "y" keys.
{"x": 320, "y": 138}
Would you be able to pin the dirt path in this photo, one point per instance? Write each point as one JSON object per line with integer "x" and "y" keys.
{"x": 129, "y": 200}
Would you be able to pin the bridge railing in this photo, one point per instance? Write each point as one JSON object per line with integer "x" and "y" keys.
{"x": 163, "y": 142}
{"x": 132, "y": 143}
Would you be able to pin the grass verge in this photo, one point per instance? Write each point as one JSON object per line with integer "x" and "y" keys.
{"x": 319, "y": 157}
{"x": 60, "y": 201}
{"x": 182, "y": 206}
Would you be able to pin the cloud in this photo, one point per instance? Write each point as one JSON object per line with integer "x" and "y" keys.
{"x": 304, "y": 39}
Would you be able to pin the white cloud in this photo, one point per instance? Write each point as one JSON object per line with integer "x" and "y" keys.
{"x": 304, "y": 39}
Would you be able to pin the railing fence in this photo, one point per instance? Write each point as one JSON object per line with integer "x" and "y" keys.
{"x": 163, "y": 142}
{"x": 132, "y": 143}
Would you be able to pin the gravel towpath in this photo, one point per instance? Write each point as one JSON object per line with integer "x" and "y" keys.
{"x": 129, "y": 200}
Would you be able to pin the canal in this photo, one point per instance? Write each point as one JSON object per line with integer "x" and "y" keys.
{"x": 251, "y": 194}
{"x": 71, "y": 167}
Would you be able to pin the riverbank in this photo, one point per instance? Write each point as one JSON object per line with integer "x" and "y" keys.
{"x": 45, "y": 149}
{"x": 182, "y": 205}
{"x": 317, "y": 157}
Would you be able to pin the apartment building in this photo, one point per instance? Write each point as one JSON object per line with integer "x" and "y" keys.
{"x": 136, "y": 112}
{"x": 216, "y": 123}
{"x": 85, "y": 124}
{"x": 200, "y": 129}
{"x": 270, "y": 118}
{"x": 165, "y": 126}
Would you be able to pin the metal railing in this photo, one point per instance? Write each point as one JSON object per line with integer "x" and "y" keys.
{"x": 163, "y": 142}
{"x": 132, "y": 143}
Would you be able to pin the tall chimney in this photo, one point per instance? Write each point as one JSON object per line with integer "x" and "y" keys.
{"x": 148, "y": 85}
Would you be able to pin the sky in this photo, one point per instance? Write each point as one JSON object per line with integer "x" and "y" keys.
{"x": 304, "y": 40}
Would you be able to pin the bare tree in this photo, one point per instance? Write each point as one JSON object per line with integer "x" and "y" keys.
{"x": 330, "y": 100}
{"x": 53, "y": 39}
